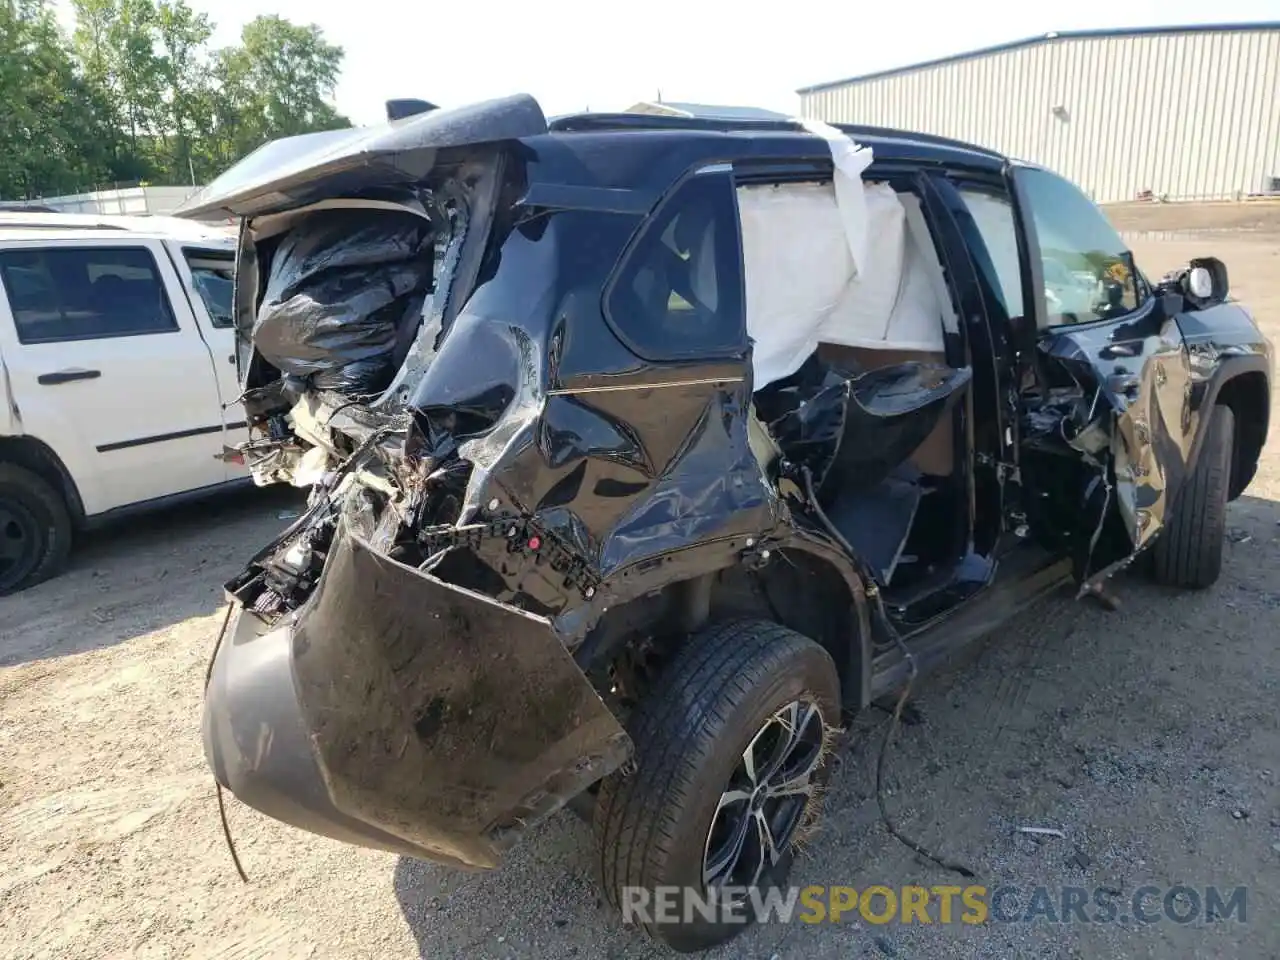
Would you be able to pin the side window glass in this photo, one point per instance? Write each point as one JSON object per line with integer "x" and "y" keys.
{"x": 214, "y": 280}
{"x": 993, "y": 216}
{"x": 1088, "y": 272}
{"x": 679, "y": 292}
{"x": 90, "y": 293}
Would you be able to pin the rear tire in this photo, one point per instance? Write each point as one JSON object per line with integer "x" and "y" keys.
{"x": 1188, "y": 551}
{"x": 35, "y": 529}
{"x": 736, "y": 689}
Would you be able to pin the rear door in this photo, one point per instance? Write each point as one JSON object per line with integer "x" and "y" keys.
{"x": 208, "y": 273}
{"x": 1101, "y": 328}
{"x": 108, "y": 367}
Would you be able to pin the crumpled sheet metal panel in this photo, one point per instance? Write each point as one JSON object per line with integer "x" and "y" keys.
{"x": 1146, "y": 382}
{"x": 288, "y": 171}
{"x": 1152, "y": 441}
{"x": 437, "y": 714}
{"x": 711, "y": 486}
{"x": 619, "y": 459}
{"x": 616, "y": 475}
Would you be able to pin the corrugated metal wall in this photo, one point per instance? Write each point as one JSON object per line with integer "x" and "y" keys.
{"x": 1184, "y": 115}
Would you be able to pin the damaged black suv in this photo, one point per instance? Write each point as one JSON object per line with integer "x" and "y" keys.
{"x": 641, "y": 449}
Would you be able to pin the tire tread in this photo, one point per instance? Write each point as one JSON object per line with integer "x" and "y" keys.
{"x": 637, "y": 816}
{"x": 1189, "y": 551}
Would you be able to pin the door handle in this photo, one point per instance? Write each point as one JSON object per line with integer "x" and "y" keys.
{"x": 66, "y": 376}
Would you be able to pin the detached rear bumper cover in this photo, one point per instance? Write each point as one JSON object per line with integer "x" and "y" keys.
{"x": 399, "y": 712}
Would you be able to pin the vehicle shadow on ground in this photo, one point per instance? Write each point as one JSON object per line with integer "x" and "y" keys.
{"x": 143, "y": 574}
{"x": 1070, "y": 715}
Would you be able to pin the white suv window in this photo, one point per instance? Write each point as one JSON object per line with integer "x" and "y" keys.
{"x": 59, "y": 294}
{"x": 213, "y": 276}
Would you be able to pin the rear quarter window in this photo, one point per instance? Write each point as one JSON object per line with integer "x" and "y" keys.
{"x": 678, "y": 292}
{"x": 213, "y": 276}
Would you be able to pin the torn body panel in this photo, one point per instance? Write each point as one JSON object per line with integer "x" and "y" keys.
{"x": 1132, "y": 400}
{"x": 1136, "y": 376}
{"x": 523, "y": 472}
{"x": 293, "y": 171}
{"x": 421, "y": 717}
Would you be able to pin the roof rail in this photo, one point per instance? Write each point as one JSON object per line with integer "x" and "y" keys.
{"x": 162, "y": 226}
{"x": 34, "y": 224}
{"x": 891, "y": 133}
{"x": 648, "y": 121}
{"x": 643, "y": 121}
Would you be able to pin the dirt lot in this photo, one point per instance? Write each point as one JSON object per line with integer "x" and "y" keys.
{"x": 1149, "y": 736}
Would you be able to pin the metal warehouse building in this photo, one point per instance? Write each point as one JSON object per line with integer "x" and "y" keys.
{"x": 1183, "y": 112}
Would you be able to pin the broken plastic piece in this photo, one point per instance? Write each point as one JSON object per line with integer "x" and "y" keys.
{"x": 1043, "y": 832}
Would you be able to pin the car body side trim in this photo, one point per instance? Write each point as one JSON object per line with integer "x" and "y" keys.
{"x": 159, "y": 438}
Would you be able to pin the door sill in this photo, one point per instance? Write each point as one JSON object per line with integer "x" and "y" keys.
{"x": 1011, "y": 590}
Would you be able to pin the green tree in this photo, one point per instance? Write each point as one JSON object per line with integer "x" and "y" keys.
{"x": 148, "y": 58}
{"x": 50, "y": 135}
{"x": 187, "y": 94}
{"x": 137, "y": 94}
{"x": 280, "y": 81}
{"x": 97, "y": 42}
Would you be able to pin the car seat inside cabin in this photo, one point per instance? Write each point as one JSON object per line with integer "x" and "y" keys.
{"x": 852, "y": 378}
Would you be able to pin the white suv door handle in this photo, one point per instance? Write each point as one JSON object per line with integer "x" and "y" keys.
{"x": 66, "y": 376}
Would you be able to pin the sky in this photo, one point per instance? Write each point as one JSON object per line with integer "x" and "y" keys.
{"x": 573, "y": 55}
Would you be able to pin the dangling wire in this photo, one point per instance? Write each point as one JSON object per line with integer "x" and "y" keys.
{"x": 882, "y": 617}
{"x": 222, "y": 809}
{"x": 890, "y": 730}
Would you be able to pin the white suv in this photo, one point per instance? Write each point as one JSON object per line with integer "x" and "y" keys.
{"x": 118, "y": 381}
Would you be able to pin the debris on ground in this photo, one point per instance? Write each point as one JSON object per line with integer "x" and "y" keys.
{"x": 1098, "y": 593}
{"x": 1043, "y": 832}
{"x": 1080, "y": 859}
{"x": 885, "y": 946}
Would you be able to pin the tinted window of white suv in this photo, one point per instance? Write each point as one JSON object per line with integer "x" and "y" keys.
{"x": 87, "y": 293}
{"x": 213, "y": 276}
{"x": 679, "y": 291}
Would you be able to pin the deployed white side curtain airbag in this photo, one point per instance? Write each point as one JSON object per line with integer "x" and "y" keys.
{"x": 832, "y": 262}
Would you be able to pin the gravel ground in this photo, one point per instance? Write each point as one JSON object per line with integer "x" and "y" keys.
{"x": 1148, "y": 736}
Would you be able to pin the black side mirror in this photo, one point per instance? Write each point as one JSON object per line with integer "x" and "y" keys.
{"x": 1204, "y": 281}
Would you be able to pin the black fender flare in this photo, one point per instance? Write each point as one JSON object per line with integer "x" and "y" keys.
{"x": 576, "y": 627}
{"x": 1229, "y": 368}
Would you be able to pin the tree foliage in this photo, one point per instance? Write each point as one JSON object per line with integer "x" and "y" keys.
{"x": 136, "y": 93}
